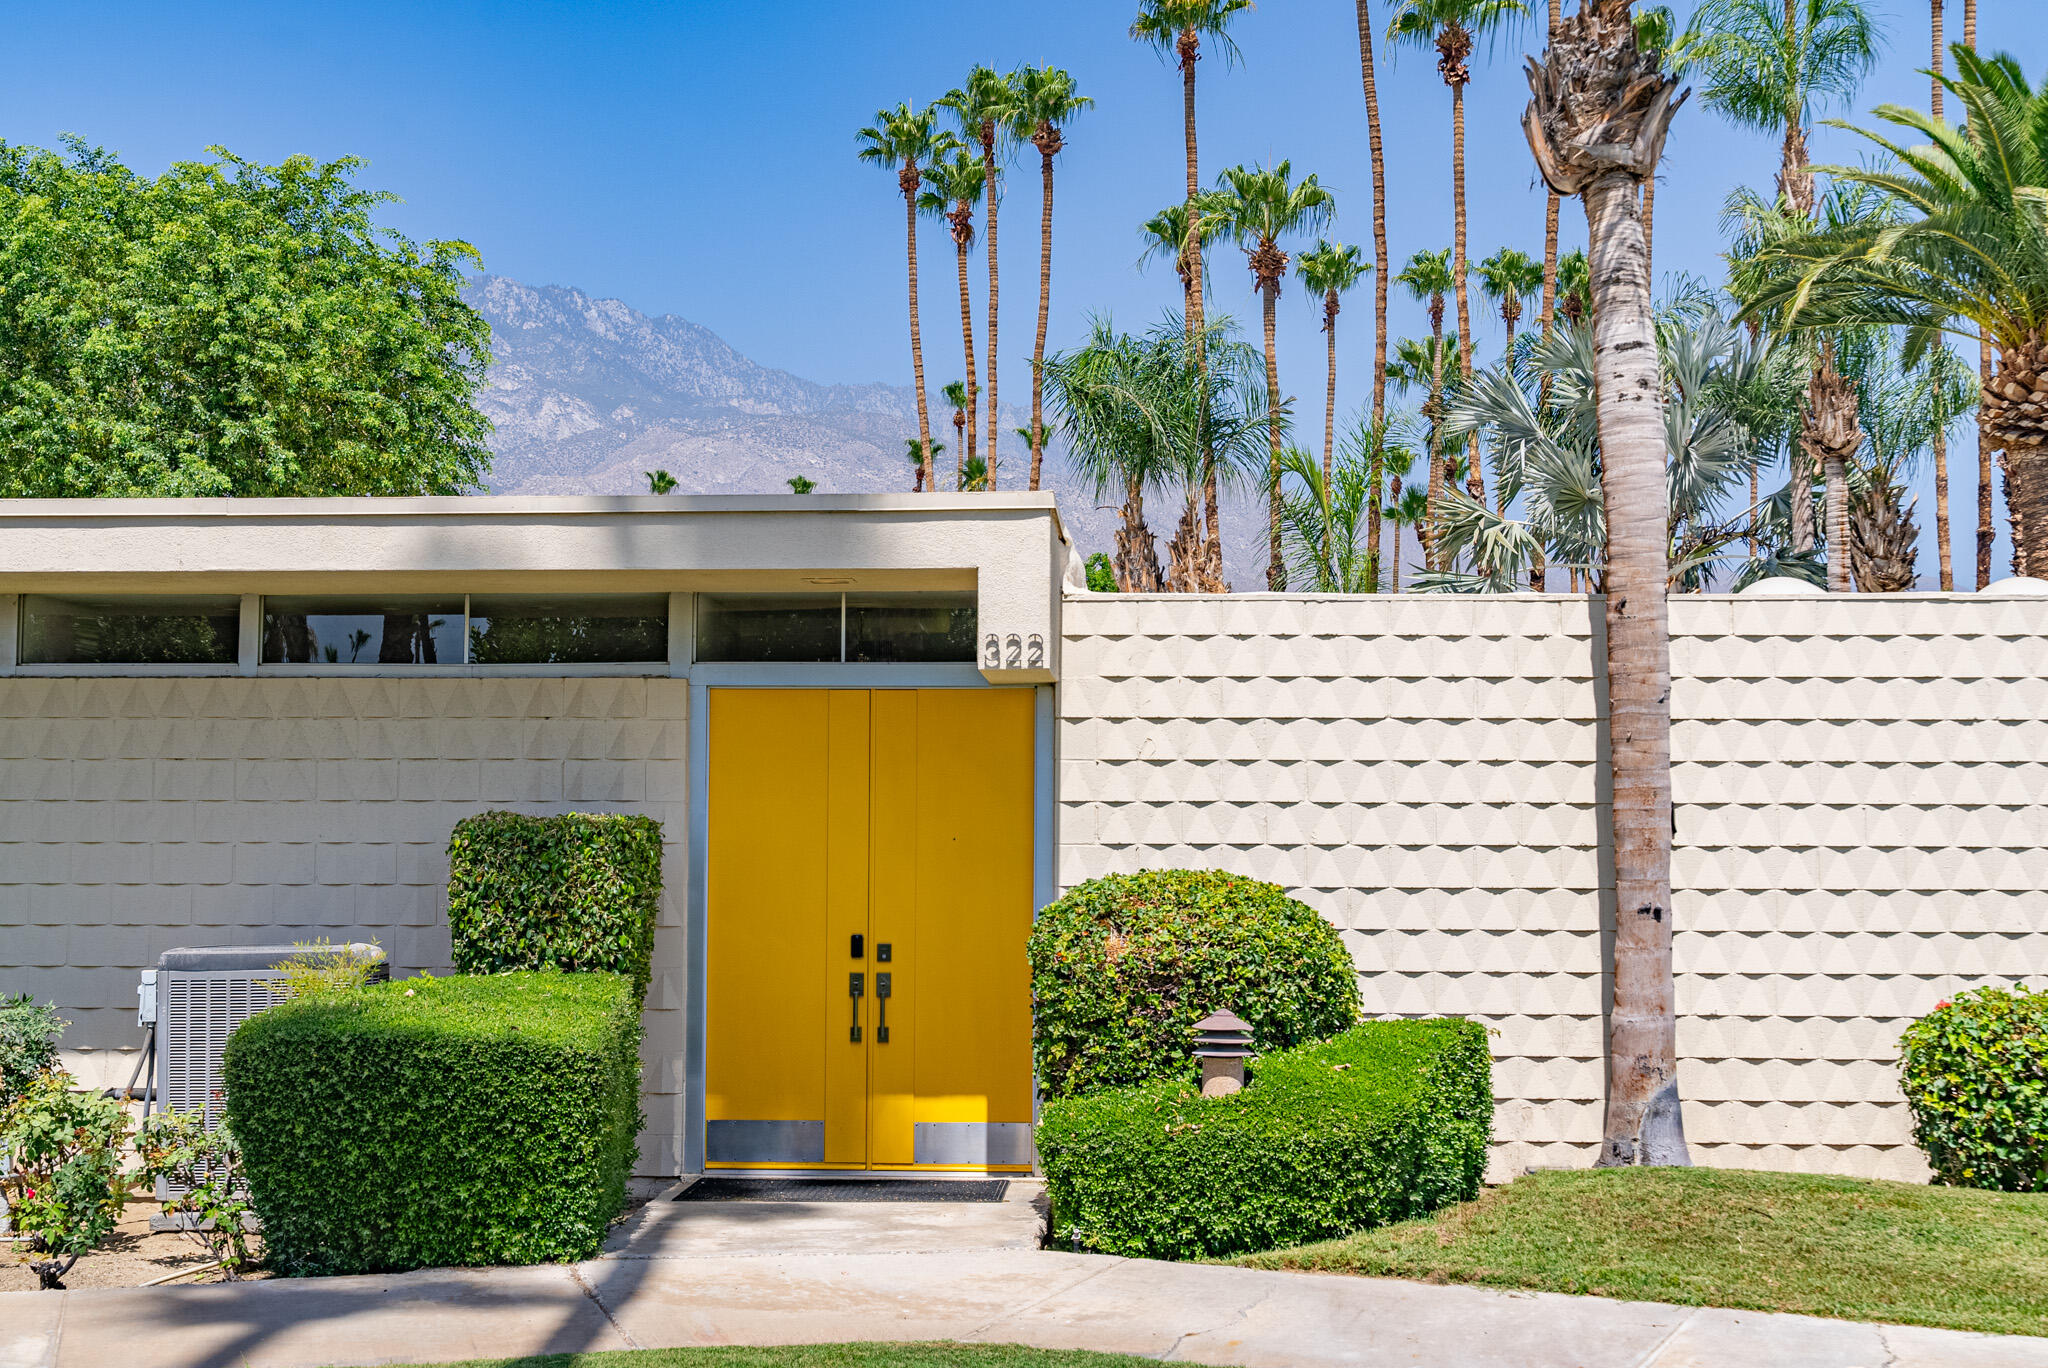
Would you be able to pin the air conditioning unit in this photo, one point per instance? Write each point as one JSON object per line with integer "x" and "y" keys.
{"x": 191, "y": 1002}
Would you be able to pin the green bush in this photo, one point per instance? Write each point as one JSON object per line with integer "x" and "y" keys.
{"x": 1975, "y": 1073}
{"x": 578, "y": 891}
{"x": 426, "y": 1122}
{"x": 1123, "y": 967}
{"x": 1387, "y": 1121}
{"x": 62, "y": 1182}
{"x": 28, "y": 1043}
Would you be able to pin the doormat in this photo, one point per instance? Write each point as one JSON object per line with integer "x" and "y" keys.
{"x": 844, "y": 1190}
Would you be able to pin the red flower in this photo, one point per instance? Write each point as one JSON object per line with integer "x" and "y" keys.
{"x": 1941, "y": 1004}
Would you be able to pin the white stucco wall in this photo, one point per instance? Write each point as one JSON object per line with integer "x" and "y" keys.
{"x": 138, "y": 814}
{"x": 1862, "y": 789}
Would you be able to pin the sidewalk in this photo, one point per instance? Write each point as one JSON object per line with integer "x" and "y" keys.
{"x": 698, "y": 1273}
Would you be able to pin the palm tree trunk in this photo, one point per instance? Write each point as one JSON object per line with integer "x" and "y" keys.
{"x": 1649, "y": 225}
{"x": 1642, "y": 1124}
{"x": 1427, "y": 533}
{"x": 1397, "y": 557}
{"x": 963, "y": 453}
{"x": 1276, "y": 569}
{"x": 1835, "y": 474}
{"x": 1380, "y": 277}
{"x": 1801, "y": 497}
{"x": 907, "y": 180}
{"x": 1044, "y": 307}
{"x": 988, "y": 164}
{"x": 1189, "y": 49}
{"x": 1985, "y": 530}
{"x": 1550, "y": 234}
{"x": 1330, "y": 389}
{"x": 1475, "y": 480}
{"x": 1943, "y": 550}
{"x": 1934, "y": 105}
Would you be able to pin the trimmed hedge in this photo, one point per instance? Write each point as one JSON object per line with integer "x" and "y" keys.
{"x": 579, "y": 891}
{"x": 428, "y": 1122}
{"x": 1387, "y": 1121}
{"x": 1975, "y": 1073}
{"x": 1123, "y": 966}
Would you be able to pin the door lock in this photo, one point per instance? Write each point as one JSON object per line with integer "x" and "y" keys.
{"x": 860, "y": 946}
{"x": 881, "y": 1009}
{"x": 884, "y": 952}
{"x": 855, "y": 985}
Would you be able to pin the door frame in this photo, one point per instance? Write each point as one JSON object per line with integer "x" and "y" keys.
{"x": 697, "y": 931}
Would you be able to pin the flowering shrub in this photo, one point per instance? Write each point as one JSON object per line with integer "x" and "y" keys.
{"x": 176, "y": 1148}
{"x": 63, "y": 1187}
{"x": 28, "y": 1043}
{"x": 1975, "y": 1073}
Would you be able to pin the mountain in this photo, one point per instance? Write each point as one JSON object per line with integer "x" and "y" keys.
{"x": 588, "y": 394}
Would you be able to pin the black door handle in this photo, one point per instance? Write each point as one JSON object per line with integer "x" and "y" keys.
{"x": 854, "y": 986}
{"x": 881, "y": 1009}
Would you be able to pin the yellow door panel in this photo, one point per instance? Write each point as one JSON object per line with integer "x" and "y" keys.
{"x": 846, "y": 841}
{"x": 897, "y": 814}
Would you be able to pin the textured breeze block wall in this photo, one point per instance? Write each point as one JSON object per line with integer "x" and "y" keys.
{"x": 137, "y": 814}
{"x": 1862, "y": 791}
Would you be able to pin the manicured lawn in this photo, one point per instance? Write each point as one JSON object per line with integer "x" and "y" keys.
{"x": 1841, "y": 1247}
{"x": 824, "y": 1356}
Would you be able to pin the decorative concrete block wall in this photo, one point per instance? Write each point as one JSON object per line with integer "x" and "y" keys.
{"x": 138, "y": 814}
{"x": 1862, "y": 789}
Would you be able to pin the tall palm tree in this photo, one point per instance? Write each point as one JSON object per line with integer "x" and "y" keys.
{"x": 986, "y": 110}
{"x": 919, "y": 466}
{"x": 1942, "y": 547}
{"x": 1179, "y": 27}
{"x": 1453, "y": 27}
{"x": 1984, "y": 447}
{"x": 1046, "y": 100}
{"x": 1550, "y": 215}
{"x": 1428, "y": 278}
{"x": 953, "y": 183}
{"x": 1596, "y": 125}
{"x": 1959, "y": 247}
{"x": 961, "y": 398}
{"x": 1330, "y": 269}
{"x": 902, "y": 138}
{"x": 1657, "y": 31}
{"x": 1264, "y": 205}
{"x": 1380, "y": 280}
{"x": 1575, "y": 288}
{"x": 1404, "y": 509}
{"x": 1507, "y": 278}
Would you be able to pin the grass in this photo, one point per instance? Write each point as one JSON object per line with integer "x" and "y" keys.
{"x": 823, "y": 1356}
{"x": 1843, "y": 1247}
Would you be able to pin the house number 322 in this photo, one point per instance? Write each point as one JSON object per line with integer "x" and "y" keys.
{"x": 1012, "y": 652}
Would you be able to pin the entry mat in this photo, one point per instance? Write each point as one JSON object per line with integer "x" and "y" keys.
{"x": 845, "y": 1190}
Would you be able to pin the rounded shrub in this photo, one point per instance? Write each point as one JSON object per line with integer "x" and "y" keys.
{"x": 1975, "y": 1073}
{"x": 1123, "y": 966}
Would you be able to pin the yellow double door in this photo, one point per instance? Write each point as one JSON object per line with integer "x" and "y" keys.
{"x": 870, "y": 882}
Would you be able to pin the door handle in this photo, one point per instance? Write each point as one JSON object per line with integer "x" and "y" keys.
{"x": 854, "y": 986}
{"x": 881, "y": 1009}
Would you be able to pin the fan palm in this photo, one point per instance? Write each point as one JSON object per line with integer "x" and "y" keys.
{"x": 660, "y": 482}
{"x": 1330, "y": 269}
{"x": 1428, "y": 279}
{"x": 1380, "y": 282}
{"x": 1453, "y": 27}
{"x": 986, "y": 110}
{"x": 1405, "y": 508}
{"x": 1262, "y": 205}
{"x": 1963, "y": 248}
{"x": 1047, "y": 100}
{"x": 961, "y": 399}
{"x": 953, "y": 183}
{"x": 1550, "y": 222}
{"x": 901, "y": 139}
{"x": 1507, "y": 278}
{"x": 1575, "y": 288}
{"x": 920, "y": 467}
{"x": 1596, "y": 122}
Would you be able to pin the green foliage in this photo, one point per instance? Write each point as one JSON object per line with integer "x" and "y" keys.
{"x": 63, "y": 1186}
{"x": 320, "y": 966}
{"x": 1387, "y": 1121}
{"x": 579, "y": 891}
{"x": 227, "y": 328}
{"x": 175, "y": 1147}
{"x": 426, "y": 1122}
{"x": 1124, "y": 966}
{"x": 1101, "y": 577}
{"x": 28, "y": 1043}
{"x": 1975, "y": 1073}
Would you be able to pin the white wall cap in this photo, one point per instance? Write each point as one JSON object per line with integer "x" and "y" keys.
{"x": 2024, "y": 586}
{"x": 1784, "y": 586}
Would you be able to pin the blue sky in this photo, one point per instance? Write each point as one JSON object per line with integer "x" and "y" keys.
{"x": 697, "y": 158}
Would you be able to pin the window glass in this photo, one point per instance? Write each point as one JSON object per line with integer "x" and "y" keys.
{"x": 384, "y": 630}
{"x": 910, "y": 628}
{"x": 129, "y": 631}
{"x": 566, "y": 630}
{"x": 754, "y": 627}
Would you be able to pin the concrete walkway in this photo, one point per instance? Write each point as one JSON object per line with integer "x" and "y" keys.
{"x": 761, "y": 1273}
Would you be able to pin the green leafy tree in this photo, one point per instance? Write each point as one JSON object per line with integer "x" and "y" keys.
{"x": 228, "y": 328}
{"x": 1047, "y": 100}
{"x": 902, "y": 139}
{"x": 1330, "y": 269}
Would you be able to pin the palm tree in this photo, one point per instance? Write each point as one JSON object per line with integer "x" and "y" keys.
{"x": 1941, "y": 530}
{"x": 1419, "y": 364}
{"x": 1379, "y": 249}
{"x": 961, "y": 398}
{"x": 1404, "y": 509}
{"x": 1325, "y": 522}
{"x": 1657, "y": 32}
{"x": 1329, "y": 270}
{"x": 902, "y": 138}
{"x": 1984, "y": 447}
{"x": 660, "y": 482}
{"x": 955, "y": 182}
{"x": 801, "y": 484}
{"x": 1263, "y": 206}
{"x": 920, "y": 467}
{"x": 1596, "y": 125}
{"x": 1507, "y": 278}
{"x": 1550, "y": 210}
{"x": 986, "y": 110}
{"x": 1452, "y": 27}
{"x": 1957, "y": 247}
{"x": 1575, "y": 288}
{"x": 1046, "y": 100}
{"x": 1179, "y": 27}
{"x": 1428, "y": 278}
